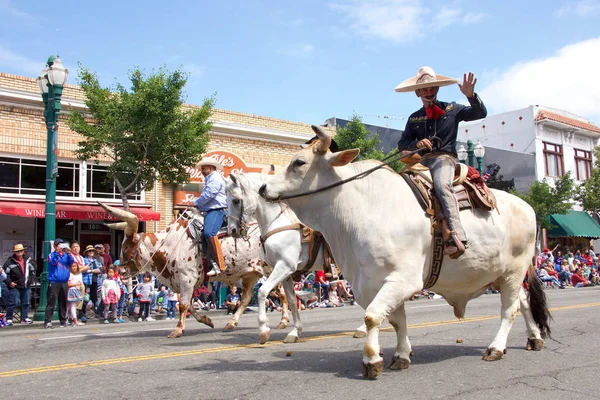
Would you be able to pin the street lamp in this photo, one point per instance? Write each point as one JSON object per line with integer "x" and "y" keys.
{"x": 50, "y": 82}
{"x": 479, "y": 152}
{"x": 462, "y": 154}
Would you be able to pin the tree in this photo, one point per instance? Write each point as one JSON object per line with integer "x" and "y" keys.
{"x": 356, "y": 135}
{"x": 588, "y": 193}
{"x": 143, "y": 131}
{"x": 547, "y": 199}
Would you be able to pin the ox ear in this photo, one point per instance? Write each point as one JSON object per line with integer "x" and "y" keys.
{"x": 343, "y": 157}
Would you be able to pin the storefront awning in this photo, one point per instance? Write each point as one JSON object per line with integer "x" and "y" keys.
{"x": 71, "y": 211}
{"x": 573, "y": 224}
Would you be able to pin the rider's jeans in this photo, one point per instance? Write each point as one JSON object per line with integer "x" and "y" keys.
{"x": 442, "y": 171}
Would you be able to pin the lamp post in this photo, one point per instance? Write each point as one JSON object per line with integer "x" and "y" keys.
{"x": 461, "y": 153}
{"x": 50, "y": 83}
{"x": 479, "y": 152}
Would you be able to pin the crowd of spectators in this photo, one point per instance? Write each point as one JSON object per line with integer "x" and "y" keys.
{"x": 571, "y": 269}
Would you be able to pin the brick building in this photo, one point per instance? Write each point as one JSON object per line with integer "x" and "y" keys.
{"x": 247, "y": 142}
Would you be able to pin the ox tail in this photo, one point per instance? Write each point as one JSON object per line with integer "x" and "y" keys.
{"x": 538, "y": 303}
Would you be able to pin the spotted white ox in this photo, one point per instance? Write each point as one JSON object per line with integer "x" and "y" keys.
{"x": 172, "y": 256}
{"x": 382, "y": 241}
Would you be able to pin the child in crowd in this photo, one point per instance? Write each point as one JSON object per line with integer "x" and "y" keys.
{"x": 74, "y": 296}
{"x": 333, "y": 296}
{"x": 123, "y": 299}
{"x": 172, "y": 298}
{"x": 110, "y": 295}
{"x": 144, "y": 294}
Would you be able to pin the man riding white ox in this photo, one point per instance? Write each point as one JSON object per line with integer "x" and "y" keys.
{"x": 382, "y": 241}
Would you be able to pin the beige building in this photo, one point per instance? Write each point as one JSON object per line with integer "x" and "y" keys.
{"x": 245, "y": 142}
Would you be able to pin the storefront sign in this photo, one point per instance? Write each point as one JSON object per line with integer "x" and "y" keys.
{"x": 231, "y": 163}
{"x": 71, "y": 211}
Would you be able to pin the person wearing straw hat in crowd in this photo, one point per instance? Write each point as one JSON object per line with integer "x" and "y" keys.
{"x": 440, "y": 120}
{"x": 212, "y": 201}
{"x": 20, "y": 275}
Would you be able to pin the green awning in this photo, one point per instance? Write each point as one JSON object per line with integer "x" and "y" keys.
{"x": 573, "y": 224}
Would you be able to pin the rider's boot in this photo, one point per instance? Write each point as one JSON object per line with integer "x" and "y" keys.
{"x": 215, "y": 256}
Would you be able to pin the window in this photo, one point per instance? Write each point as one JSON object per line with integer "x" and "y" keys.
{"x": 100, "y": 186}
{"x": 25, "y": 176}
{"x": 583, "y": 164}
{"x": 553, "y": 157}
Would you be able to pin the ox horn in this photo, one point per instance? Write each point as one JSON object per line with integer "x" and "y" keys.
{"x": 324, "y": 137}
{"x": 129, "y": 218}
{"x": 117, "y": 226}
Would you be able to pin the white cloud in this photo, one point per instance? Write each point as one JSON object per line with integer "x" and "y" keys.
{"x": 8, "y": 10}
{"x": 299, "y": 50}
{"x": 18, "y": 64}
{"x": 581, "y": 8}
{"x": 400, "y": 21}
{"x": 567, "y": 81}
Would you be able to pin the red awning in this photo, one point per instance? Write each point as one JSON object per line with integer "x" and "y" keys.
{"x": 71, "y": 211}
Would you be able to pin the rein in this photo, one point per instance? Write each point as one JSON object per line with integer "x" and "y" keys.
{"x": 395, "y": 157}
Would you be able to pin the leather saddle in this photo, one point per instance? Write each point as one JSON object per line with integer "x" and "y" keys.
{"x": 470, "y": 192}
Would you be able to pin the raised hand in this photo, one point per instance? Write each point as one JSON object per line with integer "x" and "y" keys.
{"x": 468, "y": 86}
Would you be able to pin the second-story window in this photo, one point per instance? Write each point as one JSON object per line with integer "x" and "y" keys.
{"x": 553, "y": 158}
{"x": 99, "y": 186}
{"x": 583, "y": 164}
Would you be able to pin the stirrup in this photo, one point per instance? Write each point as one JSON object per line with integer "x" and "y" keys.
{"x": 455, "y": 248}
{"x": 214, "y": 271}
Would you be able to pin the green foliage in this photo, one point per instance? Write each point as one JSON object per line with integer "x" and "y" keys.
{"x": 355, "y": 135}
{"x": 547, "y": 199}
{"x": 143, "y": 131}
{"x": 588, "y": 193}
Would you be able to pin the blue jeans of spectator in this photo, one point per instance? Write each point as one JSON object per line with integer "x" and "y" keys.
{"x": 325, "y": 287}
{"x": 552, "y": 279}
{"x": 18, "y": 297}
{"x": 563, "y": 276}
{"x": 171, "y": 308}
{"x": 121, "y": 305}
{"x": 153, "y": 298}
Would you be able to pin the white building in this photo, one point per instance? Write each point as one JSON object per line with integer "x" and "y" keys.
{"x": 561, "y": 141}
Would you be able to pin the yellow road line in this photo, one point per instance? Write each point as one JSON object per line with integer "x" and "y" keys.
{"x": 149, "y": 357}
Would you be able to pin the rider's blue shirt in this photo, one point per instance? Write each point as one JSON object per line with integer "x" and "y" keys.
{"x": 213, "y": 194}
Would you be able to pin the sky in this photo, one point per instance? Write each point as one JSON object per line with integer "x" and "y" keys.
{"x": 310, "y": 60}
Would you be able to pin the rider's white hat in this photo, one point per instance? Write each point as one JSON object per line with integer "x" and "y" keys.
{"x": 210, "y": 161}
{"x": 426, "y": 77}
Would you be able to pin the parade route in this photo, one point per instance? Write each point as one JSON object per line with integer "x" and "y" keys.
{"x": 122, "y": 360}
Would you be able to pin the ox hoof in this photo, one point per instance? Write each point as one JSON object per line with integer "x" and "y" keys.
{"x": 290, "y": 339}
{"x": 399, "y": 363}
{"x": 264, "y": 336}
{"x": 372, "y": 370}
{"x": 493, "y": 354}
{"x": 282, "y": 325}
{"x": 535, "y": 344}
{"x": 175, "y": 334}
{"x": 358, "y": 334}
{"x": 230, "y": 326}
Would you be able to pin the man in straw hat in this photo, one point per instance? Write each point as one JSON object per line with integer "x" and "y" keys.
{"x": 440, "y": 120}
{"x": 20, "y": 275}
{"x": 212, "y": 201}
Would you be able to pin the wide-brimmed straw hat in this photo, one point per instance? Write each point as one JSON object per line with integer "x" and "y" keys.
{"x": 426, "y": 77}
{"x": 89, "y": 248}
{"x": 211, "y": 162}
{"x": 18, "y": 247}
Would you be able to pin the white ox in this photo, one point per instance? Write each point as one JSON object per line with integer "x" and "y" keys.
{"x": 382, "y": 240}
{"x": 173, "y": 257}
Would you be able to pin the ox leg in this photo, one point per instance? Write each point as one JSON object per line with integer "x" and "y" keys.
{"x": 279, "y": 274}
{"x": 178, "y": 331}
{"x": 510, "y": 306}
{"x": 285, "y": 313}
{"x": 534, "y": 336}
{"x": 292, "y": 337}
{"x": 391, "y": 296}
{"x": 403, "y": 352}
{"x": 247, "y": 291}
{"x": 201, "y": 317}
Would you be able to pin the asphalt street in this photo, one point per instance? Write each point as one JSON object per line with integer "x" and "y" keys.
{"x": 136, "y": 360}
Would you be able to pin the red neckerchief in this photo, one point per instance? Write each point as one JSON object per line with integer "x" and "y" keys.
{"x": 434, "y": 112}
